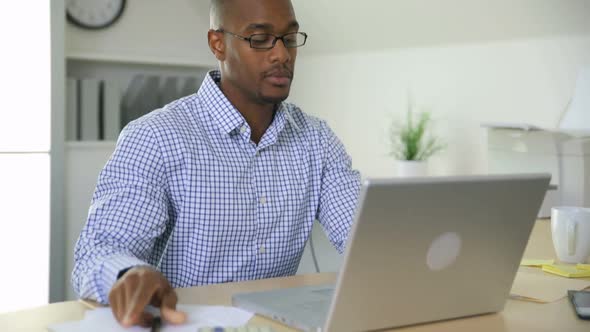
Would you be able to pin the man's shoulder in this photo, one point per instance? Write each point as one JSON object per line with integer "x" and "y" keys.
{"x": 170, "y": 117}
{"x": 166, "y": 127}
{"x": 300, "y": 120}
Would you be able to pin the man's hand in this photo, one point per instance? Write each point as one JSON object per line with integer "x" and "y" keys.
{"x": 139, "y": 287}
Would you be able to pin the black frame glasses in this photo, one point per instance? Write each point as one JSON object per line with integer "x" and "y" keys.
{"x": 260, "y": 41}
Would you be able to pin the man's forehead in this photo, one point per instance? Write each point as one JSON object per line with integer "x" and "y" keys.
{"x": 262, "y": 14}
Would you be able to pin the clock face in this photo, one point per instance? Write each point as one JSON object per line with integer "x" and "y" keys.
{"x": 94, "y": 14}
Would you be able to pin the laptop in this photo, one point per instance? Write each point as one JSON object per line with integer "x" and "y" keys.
{"x": 420, "y": 250}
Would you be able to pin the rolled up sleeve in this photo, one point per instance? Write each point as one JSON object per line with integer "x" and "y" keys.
{"x": 340, "y": 187}
{"x": 128, "y": 212}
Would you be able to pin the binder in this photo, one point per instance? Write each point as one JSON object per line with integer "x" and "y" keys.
{"x": 141, "y": 97}
{"x": 111, "y": 110}
{"x": 169, "y": 91}
{"x": 72, "y": 108}
{"x": 89, "y": 110}
{"x": 189, "y": 87}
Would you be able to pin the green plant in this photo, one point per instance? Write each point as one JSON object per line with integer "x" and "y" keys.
{"x": 409, "y": 141}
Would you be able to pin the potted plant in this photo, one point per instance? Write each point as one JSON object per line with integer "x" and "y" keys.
{"x": 412, "y": 144}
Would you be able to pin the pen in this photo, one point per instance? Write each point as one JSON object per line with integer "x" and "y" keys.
{"x": 156, "y": 324}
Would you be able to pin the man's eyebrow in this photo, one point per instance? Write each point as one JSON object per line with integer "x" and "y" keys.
{"x": 259, "y": 26}
{"x": 268, "y": 26}
{"x": 294, "y": 24}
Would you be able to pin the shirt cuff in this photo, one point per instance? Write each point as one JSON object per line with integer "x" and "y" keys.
{"x": 115, "y": 264}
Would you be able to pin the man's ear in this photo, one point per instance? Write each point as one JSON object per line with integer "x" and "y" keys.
{"x": 216, "y": 44}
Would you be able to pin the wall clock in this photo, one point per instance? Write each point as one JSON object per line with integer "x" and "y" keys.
{"x": 94, "y": 14}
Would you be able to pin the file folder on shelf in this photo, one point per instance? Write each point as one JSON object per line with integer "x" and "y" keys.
{"x": 72, "y": 115}
{"x": 89, "y": 110}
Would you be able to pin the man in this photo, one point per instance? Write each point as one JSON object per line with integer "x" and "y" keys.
{"x": 220, "y": 186}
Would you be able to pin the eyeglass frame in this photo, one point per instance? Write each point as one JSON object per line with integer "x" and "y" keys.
{"x": 274, "y": 43}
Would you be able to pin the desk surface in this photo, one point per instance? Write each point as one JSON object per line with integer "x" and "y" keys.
{"x": 517, "y": 316}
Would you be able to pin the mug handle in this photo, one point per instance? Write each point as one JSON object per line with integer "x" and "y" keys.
{"x": 571, "y": 237}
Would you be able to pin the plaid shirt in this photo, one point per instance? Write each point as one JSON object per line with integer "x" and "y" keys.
{"x": 188, "y": 192}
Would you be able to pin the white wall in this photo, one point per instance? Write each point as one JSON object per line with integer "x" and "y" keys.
{"x": 527, "y": 80}
{"x": 337, "y": 26}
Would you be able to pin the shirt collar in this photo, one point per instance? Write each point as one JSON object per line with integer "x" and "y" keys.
{"x": 225, "y": 115}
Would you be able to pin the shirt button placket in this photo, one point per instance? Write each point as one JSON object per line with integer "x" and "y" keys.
{"x": 261, "y": 249}
{"x": 260, "y": 202}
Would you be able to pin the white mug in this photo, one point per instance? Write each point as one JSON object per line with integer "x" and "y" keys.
{"x": 570, "y": 229}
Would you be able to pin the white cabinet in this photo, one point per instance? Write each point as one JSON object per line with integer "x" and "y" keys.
{"x": 83, "y": 163}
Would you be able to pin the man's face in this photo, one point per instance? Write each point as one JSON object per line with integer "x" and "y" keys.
{"x": 262, "y": 76}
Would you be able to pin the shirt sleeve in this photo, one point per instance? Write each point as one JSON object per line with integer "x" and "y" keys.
{"x": 129, "y": 210}
{"x": 339, "y": 192}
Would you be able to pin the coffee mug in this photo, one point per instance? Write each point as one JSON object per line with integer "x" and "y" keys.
{"x": 570, "y": 229}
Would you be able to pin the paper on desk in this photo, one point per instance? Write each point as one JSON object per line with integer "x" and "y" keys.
{"x": 542, "y": 287}
{"x": 568, "y": 271}
{"x": 101, "y": 319}
{"x": 536, "y": 262}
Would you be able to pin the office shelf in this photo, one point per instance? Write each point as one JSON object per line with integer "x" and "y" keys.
{"x": 134, "y": 60}
{"x": 90, "y": 144}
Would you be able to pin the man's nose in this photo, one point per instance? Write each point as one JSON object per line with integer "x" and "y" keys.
{"x": 280, "y": 52}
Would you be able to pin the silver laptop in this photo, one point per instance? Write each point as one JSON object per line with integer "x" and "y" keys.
{"x": 420, "y": 250}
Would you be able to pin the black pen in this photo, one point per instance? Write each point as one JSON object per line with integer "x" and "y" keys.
{"x": 156, "y": 323}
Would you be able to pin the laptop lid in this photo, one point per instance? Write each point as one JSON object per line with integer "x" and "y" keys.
{"x": 428, "y": 249}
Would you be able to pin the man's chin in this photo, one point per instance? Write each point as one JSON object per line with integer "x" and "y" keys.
{"x": 274, "y": 99}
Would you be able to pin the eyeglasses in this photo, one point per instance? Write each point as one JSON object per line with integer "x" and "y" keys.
{"x": 266, "y": 41}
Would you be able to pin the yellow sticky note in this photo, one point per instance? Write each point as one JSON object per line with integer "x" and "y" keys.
{"x": 536, "y": 262}
{"x": 583, "y": 266}
{"x": 568, "y": 271}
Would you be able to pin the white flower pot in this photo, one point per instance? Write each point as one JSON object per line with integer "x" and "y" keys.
{"x": 411, "y": 168}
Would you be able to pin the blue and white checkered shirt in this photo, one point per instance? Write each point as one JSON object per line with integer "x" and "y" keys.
{"x": 189, "y": 193}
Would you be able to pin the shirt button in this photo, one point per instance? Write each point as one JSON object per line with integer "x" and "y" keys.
{"x": 243, "y": 129}
{"x": 262, "y": 250}
{"x": 263, "y": 200}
